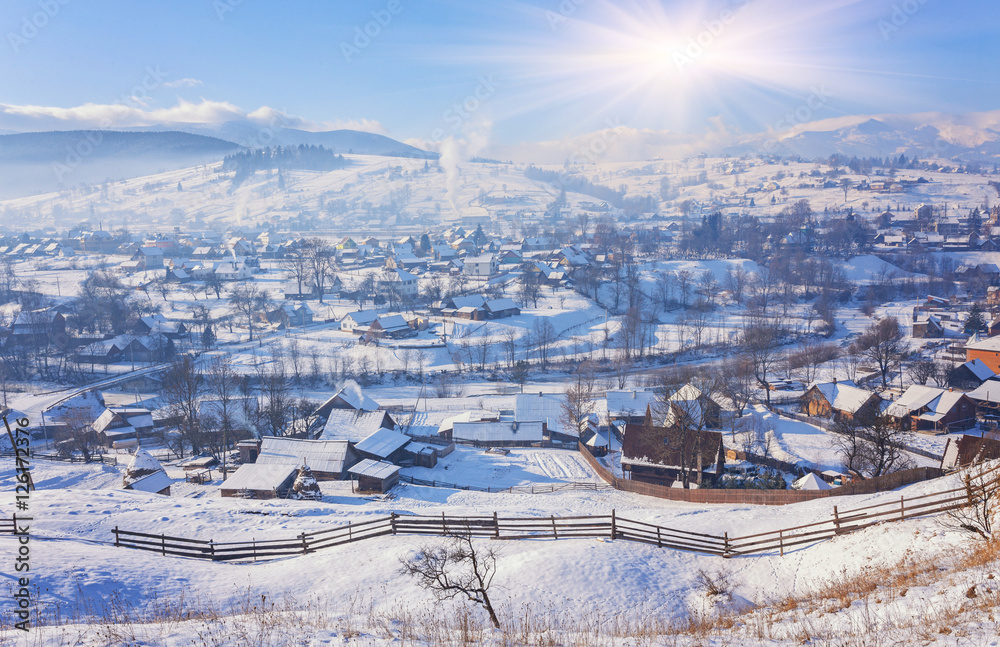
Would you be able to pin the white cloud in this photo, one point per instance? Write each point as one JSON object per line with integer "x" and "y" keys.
{"x": 135, "y": 114}
{"x": 182, "y": 83}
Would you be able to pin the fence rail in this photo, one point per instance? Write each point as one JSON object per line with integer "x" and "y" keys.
{"x": 552, "y": 527}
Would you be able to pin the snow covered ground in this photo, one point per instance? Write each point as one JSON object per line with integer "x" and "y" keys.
{"x": 76, "y": 568}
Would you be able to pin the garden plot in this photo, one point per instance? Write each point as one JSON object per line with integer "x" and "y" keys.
{"x": 475, "y": 467}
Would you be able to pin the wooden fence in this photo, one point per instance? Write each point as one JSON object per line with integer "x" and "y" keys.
{"x": 599, "y": 526}
{"x": 759, "y": 497}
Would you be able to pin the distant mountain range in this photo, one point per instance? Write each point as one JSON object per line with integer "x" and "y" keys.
{"x": 971, "y": 137}
{"x": 48, "y": 161}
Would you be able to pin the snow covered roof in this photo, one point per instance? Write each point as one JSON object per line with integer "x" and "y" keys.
{"x": 541, "y": 407}
{"x": 382, "y": 443}
{"x": 348, "y": 424}
{"x": 153, "y": 483}
{"x": 665, "y": 446}
{"x": 623, "y": 404}
{"x": 938, "y": 401}
{"x": 498, "y": 431}
{"x": 988, "y": 391}
{"x": 357, "y": 399}
{"x": 978, "y": 368}
{"x": 844, "y": 395}
{"x": 392, "y": 322}
{"x": 597, "y": 440}
{"x": 990, "y": 344}
{"x": 499, "y": 305}
{"x": 261, "y": 476}
{"x": 330, "y": 456}
{"x": 374, "y": 469}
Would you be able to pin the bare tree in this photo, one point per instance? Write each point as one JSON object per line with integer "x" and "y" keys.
{"x": 182, "y": 389}
{"x": 223, "y": 383}
{"x": 543, "y": 336}
{"x": 739, "y": 382}
{"x": 277, "y": 409}
{"x": 882, "y": 343}
{"x": 921, "y": 370}
{"x": 761, "y": 341}
{"x": 508, "y": 345}
{"x": 578, "y": 403}
{"x": 248, "y": 300}
{"x": 622, "y": 367}
{"x": 77, "y": 434}
{"x": 736, "y": 282}
{"x": 872, "y": 447}
{"x": 978, "y": 514}
{"x": 321, "y": 259}
{"x": 459, "y": 569}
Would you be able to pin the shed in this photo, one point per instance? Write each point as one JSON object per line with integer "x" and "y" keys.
{"x": 260, "y": 481}
{"x": 840, "y": 400}
{"x": 374, "y": 476}
{"x": 659, "y": 455}
{"x": 811, "y": 482}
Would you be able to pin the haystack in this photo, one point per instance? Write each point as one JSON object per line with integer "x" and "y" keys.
{"x": 305, "y": 486}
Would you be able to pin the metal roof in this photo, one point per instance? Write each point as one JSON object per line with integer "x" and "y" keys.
{"x": 257, "y": 476}
{"x": 320, "y": 455}
{"x": 374, "y": 469}
{"x": 382, "y": 443}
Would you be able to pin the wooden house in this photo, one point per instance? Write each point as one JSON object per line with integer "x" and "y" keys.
{"x": 659, "y": 455}
{"x": 969, "y": 450}
{"x": 841, "y": 401}
{"x": 374, "y": 476}
{"x": 925, "y": 408}
{"x": 384, "y": 445}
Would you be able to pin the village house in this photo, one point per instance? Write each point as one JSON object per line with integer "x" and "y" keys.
{"x": 123, "y": 425}
{"x": 358, "y": 322}
{"x": 660, "y": 455}
{"x": 925, "y": 408}
{"x": 840, "y": 401}
{"x": 481, "y": 267}
{"x": 986, "y": 350}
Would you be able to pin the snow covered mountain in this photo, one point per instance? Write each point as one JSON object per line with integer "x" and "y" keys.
{"x": 971, "y": 137}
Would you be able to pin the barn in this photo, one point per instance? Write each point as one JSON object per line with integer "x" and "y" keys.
{"x": 384, "y": 445}
{"x": 374, "y": 476}
{"x": 328, "y": 459}
{"x": 260, "y": 481}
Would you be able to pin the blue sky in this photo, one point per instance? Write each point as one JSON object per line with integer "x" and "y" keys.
{"x": 530, "y": 71}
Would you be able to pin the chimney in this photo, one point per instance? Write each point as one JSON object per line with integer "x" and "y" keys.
{"x": 951, "y": 389}
{"x": 633, "y": 395}
{"x": 834, "y": 380}
{"x": 539, "y": 394}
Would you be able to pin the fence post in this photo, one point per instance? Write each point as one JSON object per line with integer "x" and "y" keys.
{"x": 392, "y": 522}
{"x": 781, "y": 543}
{"x": 614, "y": 529}
{"x": 305, "y": 544}
{"x": 902, "y": 507}
{"x": 117, "y": 544}
{"x": 659, "y": 543}
{"x": 496, "y": 525}
{"x": 253, "y": 542}
{"x": 163, "y": 544}
{"x": 836, "y": 521}
{"x": 211, "y": 548}
{"x": 555, "y": 532}
{"x": 725, "y": 544}
{"x": 349, "y": 538}
{"x": 444, "y": 525}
